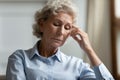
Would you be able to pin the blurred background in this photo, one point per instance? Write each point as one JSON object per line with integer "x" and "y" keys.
{"x": 99, "y": 18}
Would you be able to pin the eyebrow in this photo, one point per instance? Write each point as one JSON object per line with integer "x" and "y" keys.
{"x": 62, "y": 21}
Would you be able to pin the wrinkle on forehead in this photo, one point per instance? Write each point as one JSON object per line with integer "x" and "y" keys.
{"x": 64, "y": 17}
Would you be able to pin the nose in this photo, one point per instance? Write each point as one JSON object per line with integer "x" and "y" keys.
{"x": 61, "y": 31}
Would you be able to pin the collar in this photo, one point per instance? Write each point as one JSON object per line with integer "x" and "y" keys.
{"x": 34, "y": 52}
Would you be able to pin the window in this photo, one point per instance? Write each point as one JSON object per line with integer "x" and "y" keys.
{"x": 115, "y": 37}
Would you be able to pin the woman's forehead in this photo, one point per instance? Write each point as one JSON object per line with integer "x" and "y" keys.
{"x": 62, "y": 17}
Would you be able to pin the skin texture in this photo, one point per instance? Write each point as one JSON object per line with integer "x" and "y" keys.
{"x": 56, "y": 29}
{"x": 82, "y": 38}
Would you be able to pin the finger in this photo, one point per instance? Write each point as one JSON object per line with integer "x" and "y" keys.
{"x": 77, "y": 30}
{"x": 77, "y": 37}
{"x": 74, "y": 31}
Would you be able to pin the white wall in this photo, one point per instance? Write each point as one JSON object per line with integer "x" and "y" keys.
{"x": 15, "y": 28}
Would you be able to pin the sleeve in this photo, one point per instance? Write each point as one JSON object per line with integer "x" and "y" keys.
{"x": 102, "y": 73}
{"x": 86, "y": 73}
{"x": 15, "y": 67}
{"x": 97, "y": 73}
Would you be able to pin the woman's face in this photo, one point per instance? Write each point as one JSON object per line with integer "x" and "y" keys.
{"x": 56, "y": 29}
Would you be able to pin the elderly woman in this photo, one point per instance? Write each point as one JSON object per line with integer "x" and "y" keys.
{"x": 54, "y": 24}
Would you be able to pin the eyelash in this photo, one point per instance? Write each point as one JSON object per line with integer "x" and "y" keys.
{"x": 56, "y": 24}
{"x": 67, "y": 27}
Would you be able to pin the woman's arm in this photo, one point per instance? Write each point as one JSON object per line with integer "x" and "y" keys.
{"x": 15, "y": 67}
{"x": 82, "y": 38}
{"x": 100, "y": 70}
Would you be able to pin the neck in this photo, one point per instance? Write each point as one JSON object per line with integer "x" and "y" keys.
{"x": 46, "y": 50}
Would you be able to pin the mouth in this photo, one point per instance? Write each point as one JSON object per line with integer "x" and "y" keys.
{"x": 56, "y": 39}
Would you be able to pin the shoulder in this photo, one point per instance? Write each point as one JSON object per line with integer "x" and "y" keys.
{"x": 19, "y": 54}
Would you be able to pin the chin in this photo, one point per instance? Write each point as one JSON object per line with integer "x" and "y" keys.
{"x": 57, "y": 45}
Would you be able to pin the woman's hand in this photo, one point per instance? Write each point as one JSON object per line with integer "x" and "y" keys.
{"x": 82, "y": 38}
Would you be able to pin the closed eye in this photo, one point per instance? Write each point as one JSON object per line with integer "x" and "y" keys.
{"x": 67, "y": 27}
{"x": 56, "y": 24}
{"x": 59, "y": 23}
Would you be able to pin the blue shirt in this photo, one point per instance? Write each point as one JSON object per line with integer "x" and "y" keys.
{"x": 30, "y": 65}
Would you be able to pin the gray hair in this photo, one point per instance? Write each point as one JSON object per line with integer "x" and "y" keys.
{"x": 53, "y": 7}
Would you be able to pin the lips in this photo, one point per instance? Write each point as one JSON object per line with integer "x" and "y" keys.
{"x": 56, "y": 39}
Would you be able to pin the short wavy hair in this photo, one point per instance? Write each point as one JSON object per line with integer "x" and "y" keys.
{"x": 53, "y": 7}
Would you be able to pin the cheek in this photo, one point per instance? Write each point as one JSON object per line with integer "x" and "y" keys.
{"x": 66, "y": 35}
{"x": 52, "y": 31}
{"x": 48, "y": 29}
